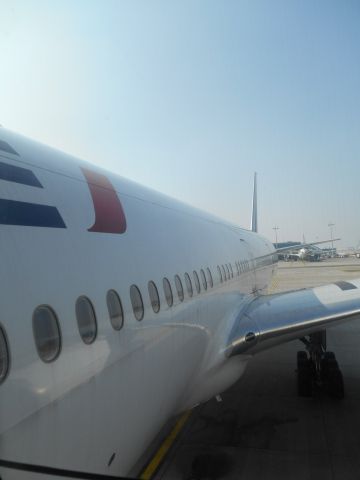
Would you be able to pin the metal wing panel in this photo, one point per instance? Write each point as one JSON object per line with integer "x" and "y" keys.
{"x": 274, "y": 319}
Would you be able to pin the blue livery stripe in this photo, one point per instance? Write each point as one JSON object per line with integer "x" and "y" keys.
{"x": 29, "y": 214}
{"x": 5, "y": 147}
{"x": 18, "y": 175}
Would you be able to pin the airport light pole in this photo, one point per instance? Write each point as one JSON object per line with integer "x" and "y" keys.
{"x": 331, "y": 225}
{"x": 276, "y": 239}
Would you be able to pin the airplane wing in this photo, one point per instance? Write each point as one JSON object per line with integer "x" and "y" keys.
{"x": 304, "y": 245}
{"x": 270, "y": 320}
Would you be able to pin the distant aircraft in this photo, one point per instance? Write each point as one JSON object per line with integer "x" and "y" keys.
{"x": 121, "y": 308}
{"x": 306, "y": 251}
{"x": 349, "y": 252}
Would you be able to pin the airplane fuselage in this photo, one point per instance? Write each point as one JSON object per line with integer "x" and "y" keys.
{"x": 70, "y": 230}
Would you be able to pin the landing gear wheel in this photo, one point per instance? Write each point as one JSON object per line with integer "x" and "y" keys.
{"x": 301, "y": 357}
{"x": 305, "y": 375}
{"x": 318, "y": 370}
{"x": 329, "y": 356}
{"x": 327, "y": 365}
{"x": 336, "y": 384}
{"x": 331, "y": 376}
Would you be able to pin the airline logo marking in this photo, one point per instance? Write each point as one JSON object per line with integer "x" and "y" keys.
{"x": 27, "y": 214}
{"x": 18, "y": 175}
{"x": 13, "y": 212}
{"x": 109, "y": 214}
{"x": 5, "y": 147}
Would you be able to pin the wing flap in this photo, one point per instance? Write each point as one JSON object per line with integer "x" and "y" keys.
{"x": 270, "y": 320}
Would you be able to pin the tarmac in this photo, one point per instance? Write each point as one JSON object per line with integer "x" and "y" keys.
{"x": 261, "y": 429}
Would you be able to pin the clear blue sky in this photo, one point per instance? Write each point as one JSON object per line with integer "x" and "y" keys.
{"x": 190, "y": 97}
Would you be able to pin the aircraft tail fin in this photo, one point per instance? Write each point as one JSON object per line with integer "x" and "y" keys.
{"x": 254, "y": 216}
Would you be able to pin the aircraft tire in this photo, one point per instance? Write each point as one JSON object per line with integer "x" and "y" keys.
{"x": 305, "y": 377}
{"x": 301, "y": 357}
{"x": 328, "y": 365}
{"x": 329, "y": 356}
{"x": 335, "y": 384}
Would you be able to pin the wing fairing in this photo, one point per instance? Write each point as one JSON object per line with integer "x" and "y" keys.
{"x": 270, "y": 320}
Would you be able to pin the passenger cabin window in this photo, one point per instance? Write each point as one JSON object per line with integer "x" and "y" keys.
{"x": 231, "y": 271}
{"x": 4, "y": 356}
{"x": 197, "y": 281}
{"x": 115, "y": 310}
{"x": 168, "y": 292}
{"x": 179, "y": 288}
{"x": 209, "y": 277}
{"x": 154, "y": 296}
{"x": 224, "y": 273}
{"x": 188, "y": 284}
{"x": 86, "y": 319}
{"x": 237, "y": 268}
{"x": 220, "y": 274}
{"x": 203, "y": 279}
{"x": 46, "y": 333}
{"x": 137, "y": 302}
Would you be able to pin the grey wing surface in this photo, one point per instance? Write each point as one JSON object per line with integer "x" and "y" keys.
{"x": 270, "y": 320}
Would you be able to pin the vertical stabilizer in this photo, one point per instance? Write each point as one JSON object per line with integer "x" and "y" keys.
{"x": 254, "y": 217}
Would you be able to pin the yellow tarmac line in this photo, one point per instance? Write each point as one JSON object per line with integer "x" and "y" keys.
{"x": 165, "y": 447}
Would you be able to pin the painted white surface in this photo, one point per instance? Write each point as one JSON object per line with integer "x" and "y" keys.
{"x": 114, "y": 395}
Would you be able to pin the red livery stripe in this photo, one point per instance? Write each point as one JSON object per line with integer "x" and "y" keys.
{"x": 109, "y": 214}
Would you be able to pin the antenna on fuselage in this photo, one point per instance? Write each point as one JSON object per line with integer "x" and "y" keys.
{"x": 254, "y": 216}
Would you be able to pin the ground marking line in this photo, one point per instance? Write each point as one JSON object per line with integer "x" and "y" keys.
{"x": 165, "y": 446}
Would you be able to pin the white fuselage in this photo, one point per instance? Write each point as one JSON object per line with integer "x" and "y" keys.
{"x": 113, "y": 395}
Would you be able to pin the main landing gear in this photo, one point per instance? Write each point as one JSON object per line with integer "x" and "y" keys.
{"x": 317, "y": 369}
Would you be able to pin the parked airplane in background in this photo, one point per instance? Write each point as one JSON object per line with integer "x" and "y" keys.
{"x": 304, "y": 251}
{"x": 306, "y": 254}
{"x": 349, "y": 252}
{"x": 121, "y": 308}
